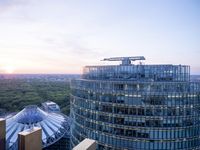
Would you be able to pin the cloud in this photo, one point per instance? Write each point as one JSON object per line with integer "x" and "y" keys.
{"x": 71, "y": 44}
{"x": 7, "y": 5}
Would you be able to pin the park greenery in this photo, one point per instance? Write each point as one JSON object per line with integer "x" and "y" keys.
{"x": 15, "y": 94}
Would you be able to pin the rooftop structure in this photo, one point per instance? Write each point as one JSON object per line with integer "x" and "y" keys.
{"x": 86, "y": 144}
{"x": 30, "y": 139}
{"x": 2, "y": 134}
{"x": 125, "y": 60}
{"x": 54, "y": 126}
{"x": 50, "y": 106}
{"x": 136, "y": 106}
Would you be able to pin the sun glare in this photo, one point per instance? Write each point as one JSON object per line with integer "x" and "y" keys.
{"x": 9, "y": 69}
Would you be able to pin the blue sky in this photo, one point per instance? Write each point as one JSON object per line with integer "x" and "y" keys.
{"x": 48, "y": 36}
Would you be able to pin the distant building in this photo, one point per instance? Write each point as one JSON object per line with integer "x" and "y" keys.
{"x": 50, "y": 106}
{"x": 55, "y": 128}
{"x": 195, "y": 78}
{"x": 136, "y": 107}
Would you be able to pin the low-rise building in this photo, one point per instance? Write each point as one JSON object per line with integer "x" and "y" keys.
{"x": 50, "y": 106}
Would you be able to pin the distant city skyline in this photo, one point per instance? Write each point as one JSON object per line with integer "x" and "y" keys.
{"x": 62, "y": 36}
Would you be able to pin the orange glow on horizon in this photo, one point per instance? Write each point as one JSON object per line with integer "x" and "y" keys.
{"x": 9, "y": 69}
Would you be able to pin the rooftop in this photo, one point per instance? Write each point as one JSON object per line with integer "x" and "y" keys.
{"x": 125, "y": 60}
{"x": 54, "y": 125}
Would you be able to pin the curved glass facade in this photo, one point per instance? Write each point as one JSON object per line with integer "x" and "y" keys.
{"x": 136, "y": 107}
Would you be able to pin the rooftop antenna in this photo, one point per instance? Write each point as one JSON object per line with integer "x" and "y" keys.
{"x": 124, "y": 60}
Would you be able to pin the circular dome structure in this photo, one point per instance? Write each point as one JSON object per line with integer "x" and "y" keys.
{"x": 31, "y": 115}
{"x": 54, "y": 125}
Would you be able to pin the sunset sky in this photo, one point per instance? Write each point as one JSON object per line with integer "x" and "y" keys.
{"x": 61, "y": 36}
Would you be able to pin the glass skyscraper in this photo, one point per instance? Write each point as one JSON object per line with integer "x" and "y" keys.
{"x": 136, "y": 106}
